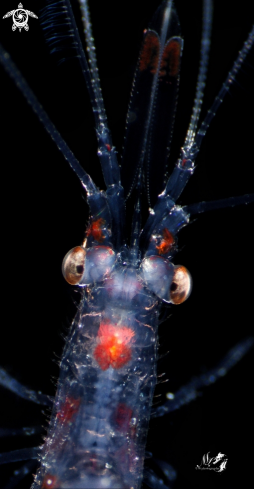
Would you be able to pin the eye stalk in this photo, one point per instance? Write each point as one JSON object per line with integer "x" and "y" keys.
{"x": 170, "y": 283}
{"x": 87, "y": 266}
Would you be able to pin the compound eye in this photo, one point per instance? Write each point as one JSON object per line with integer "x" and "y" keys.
{"x": 73, "y": 266}
{"x": 181, "y": 285}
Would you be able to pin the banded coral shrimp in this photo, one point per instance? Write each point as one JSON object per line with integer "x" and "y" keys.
{"x": 216, "y": 241}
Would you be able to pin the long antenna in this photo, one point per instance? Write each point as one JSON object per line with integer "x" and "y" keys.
{"x": 203, "y": 65}
{"x": 224, "y": 89}
{"x": 23, "y": 86}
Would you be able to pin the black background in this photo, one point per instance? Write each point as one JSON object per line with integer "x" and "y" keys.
{"x": 43, "y": 215}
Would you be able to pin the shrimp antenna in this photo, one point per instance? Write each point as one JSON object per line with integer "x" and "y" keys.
{"x": 60, "y": 13}
{"x": 203, "y": 65}
{"x": 185, "y": 165}
{"x": 106, "y": 151}
{"x": 223, "y": 91}
{"x": 32, "y": 100}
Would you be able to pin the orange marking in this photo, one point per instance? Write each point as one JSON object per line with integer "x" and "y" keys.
{"x": 95, "y": 229}
{"x": 108, "y": 147}
{"x": 166, "y": 242}
{"x": 50, "y": 482}
{"x": 113, "y": 349}
{"x": 68, "y": 410}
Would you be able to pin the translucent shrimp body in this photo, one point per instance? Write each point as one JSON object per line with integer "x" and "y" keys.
{"x": 108, "y": 373}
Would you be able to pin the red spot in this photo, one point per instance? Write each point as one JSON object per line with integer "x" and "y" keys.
{"x": 150, "y": 52}
{"x": 170, "y": 62}
{"x": 69, "y": 409}
{"x": 108, "y": 147}
{"x": 50, "y": 482}
{"x": 113, "y": 348}
{"x": 123, "y": 417}
{"x": 95, "y": 229}
{"x": 166, "y": 242}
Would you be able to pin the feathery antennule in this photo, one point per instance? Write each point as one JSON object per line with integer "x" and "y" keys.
{"x": 203, "y": 65}
{"x": 106, "y": 152}
{"x": 92, "y": 60}
{"x": 61, "y": 32}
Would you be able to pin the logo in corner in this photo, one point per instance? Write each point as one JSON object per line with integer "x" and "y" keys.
{"x": 20, "y": 17}
{"x": 218, "y": 463}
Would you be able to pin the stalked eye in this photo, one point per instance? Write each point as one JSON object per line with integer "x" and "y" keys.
{"x": 88, "y": 266}
{"x": 181, "y": 285}
{"x": 158, "y": 273}
{"x": 74, "y": 265}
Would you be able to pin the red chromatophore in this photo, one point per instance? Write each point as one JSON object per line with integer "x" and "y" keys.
{"x": 113, "y": 349}
{"x": 95, "y": 229}
{"x": 50, "y": 482}
{"x": 150, "y": 53}
{"x": 149, "y": 58}
{"x": 123, "y": 417}
{"x": 166, "y": 242}
{"x": 170, "y": 62}
{"x": 68, "y": 410}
